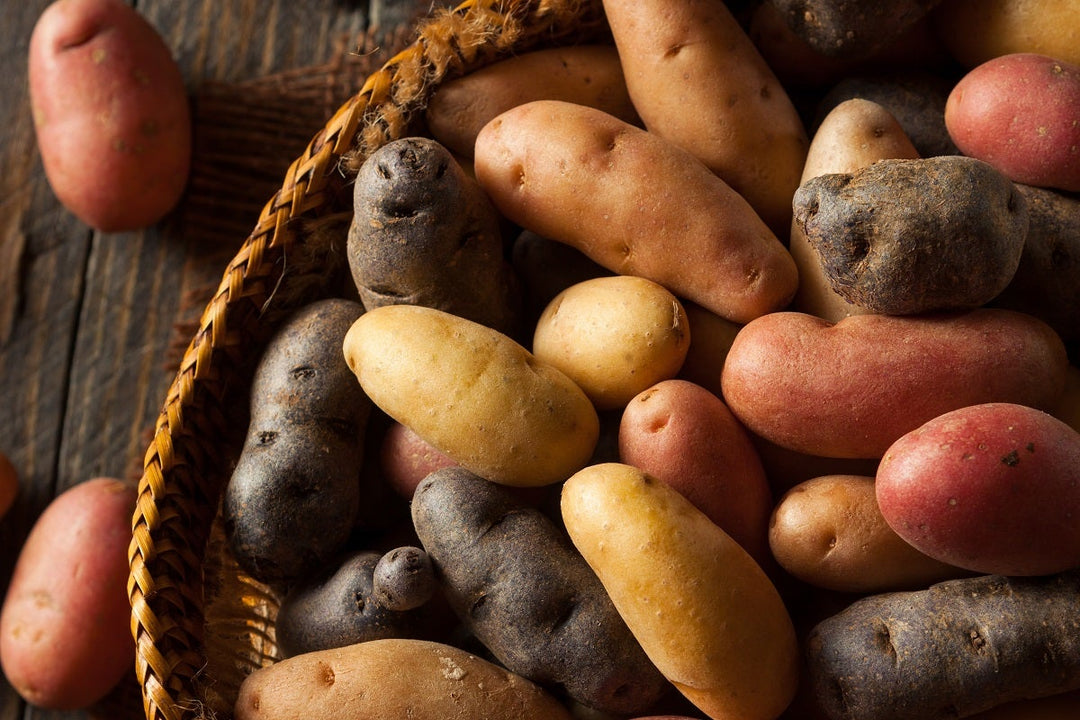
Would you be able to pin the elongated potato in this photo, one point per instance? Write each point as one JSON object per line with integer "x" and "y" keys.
{"x": 473, "y": 393}
{"x": 975, "y": 31}
{"x": 634, "y": 203}
{"x": 729, "y": 109}
{"x": 850, "y": 389}
{"x": 365, "y": 680}
{"x": 703, "y": 610}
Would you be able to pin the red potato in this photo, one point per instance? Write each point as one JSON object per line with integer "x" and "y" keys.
{"x": 111, "y": 113}
{"x": 1021, "y": 113}
{"x": 65, "y": 640}
{"x": 406, "y": 459}
{"x": 9, "y": 484}
{"x": 993, "y": 488}
{"x": 684, "y": 435}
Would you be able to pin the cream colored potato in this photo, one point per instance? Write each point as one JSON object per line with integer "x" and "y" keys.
{"x": 703, "y": 610}
{"x": 634, "y": 203}
{"x": 614, "y": 336}
{"x": 829, "y": 532}
{"x": 366, "y": 680}
{"x": 473, "y": 393}
{"x": 975, "y": 31}
{"x": 584, "y": 74}
{"x": 698, "y": 81}
{"x": 853, "y": 135}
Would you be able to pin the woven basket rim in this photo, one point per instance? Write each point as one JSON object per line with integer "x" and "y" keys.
{"x": 179, "y": 489}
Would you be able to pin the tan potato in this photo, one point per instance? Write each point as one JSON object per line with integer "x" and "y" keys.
{"x": 705, "y": 613}
{"x": 583, "y": 74}
{"x": 634, "y": 203}
{"x": 614, "y": 336}
{"x": 710, "y": 339}
{"x": 366, "y": 680}
{"x": 697, "y": 81}
{"x": 473, "y": 393}
{"x": 829, "y": 532}
{"x": 975, "y": 31}
{"x": 853, "y": 135}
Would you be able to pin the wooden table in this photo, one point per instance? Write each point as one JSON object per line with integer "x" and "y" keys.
{"x": 90, "y": 323}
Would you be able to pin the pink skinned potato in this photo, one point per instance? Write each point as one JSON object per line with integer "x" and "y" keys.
{"x": 1021, "y": 113}
{"x": 111, "y": 113}
{"x": 686, "y": 436}
{"x": 9, "y": 484}
{"x": 993, "y": 488}
{"x": 65, "y": 640}
{"x": 406, "y": 459}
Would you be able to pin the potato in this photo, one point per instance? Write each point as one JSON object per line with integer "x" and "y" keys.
{"x": 852, "y": 388}
{"x": 829, "y": 532}
{"x": 517, "y": 583}
{"x": 975, "y": 31}
{"x": 406, "y": 458}
{"x": 730, "y": 110}
{"x": 9, "y": 484}
{"x": 906, "y": 237}
{"x": 635, "y": 204}
{"x": 855, "y": 134}
{"x": 304, "y": 443}
{"x": 786, "y": 468}
{"x": 443, "y": 683}
{"x": 684, "y": 435}
{"x": 614, "y": 336}
{"x": 111, "y": 113}
{"x": 403, "y": 579}
{"x": 473, "y": 393}
{"x": 1018, "y": 113}
{"x": 704, "y": 611}
{"x": 65, "y": 638}
{"x": 582, "y": 74}
{"x": 994, "y": 488}
{"x": 710, "y": 338}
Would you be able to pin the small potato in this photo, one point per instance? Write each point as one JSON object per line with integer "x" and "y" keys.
{"x": 829, "y": 532}
{"x": 588, "y": 75}
{"x": 634, "y": 203}
{"x": 473, "y": 393}
{"x": 993, "y": 488}
{"x": 9, "y": 484}
{"x": 110, "y": 112}
{"x": 1019, "y": 113}
{"x": 442, "y": 683}
{"x": 65, "y": 638}
{"x": 614, "y": 336}
{"x": 406, "y": 458}
{"x": 975, "y": 31}
{"x": 706, "y": 614}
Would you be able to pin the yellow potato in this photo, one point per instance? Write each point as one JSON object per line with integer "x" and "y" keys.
{"x": 614, "y": 336}
{"x": 634, "y": 203}
{"x": 829, "y": 532}
{"x": 703, "y": 610}
{"x": 698, "y": 81}
{"x": 975, "y": 31}
{"x": 368, "y": 680}
{"x": 473, "y": 393}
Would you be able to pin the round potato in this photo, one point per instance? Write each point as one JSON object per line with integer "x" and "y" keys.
{"x": 111, "y": 113}
{"x": 614, "y": 336}
{"x": 473, "y": 393}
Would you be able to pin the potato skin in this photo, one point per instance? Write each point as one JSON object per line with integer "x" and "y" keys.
{"x": 614, "y": 336}
{"x": 473, "y": 393}
{"x": 110, "y": 112}
{"x": 634, "y": 203}
{"x": 975, "y": 31}
{"x": 994, "y": 488}
{"x": 829, "y": 532}
{"x": 405, "y": 459}
{"x": 1018, "y": 113}
{"x": 702, "y": 609}
{"x": 65, "y": 639}
{"x": 850, "y": 389}
{"x": 443, "y": 683}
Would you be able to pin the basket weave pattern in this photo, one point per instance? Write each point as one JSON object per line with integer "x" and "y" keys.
{"x": 283, "y": 263}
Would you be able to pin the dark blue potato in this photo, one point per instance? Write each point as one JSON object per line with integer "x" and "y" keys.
{"x": 521, "y": 587}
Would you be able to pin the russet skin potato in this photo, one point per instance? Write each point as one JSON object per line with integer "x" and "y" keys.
{"x": 829, "y": 532}
{"x": 698, "y": 81}
{"x": 850, "y": 389}
{"x": 634, "y": 203}
{"x": 65, "y": 638}
{"x": 111, "y": 113}
{"x": 472, "y": 392}
{"x": 705, "y": 613}
{"x": 993, "y": 488}
{"x": 614, "y": 336}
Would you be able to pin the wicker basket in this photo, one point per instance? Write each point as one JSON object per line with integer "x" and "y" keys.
{"x": 200, "y": 625}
